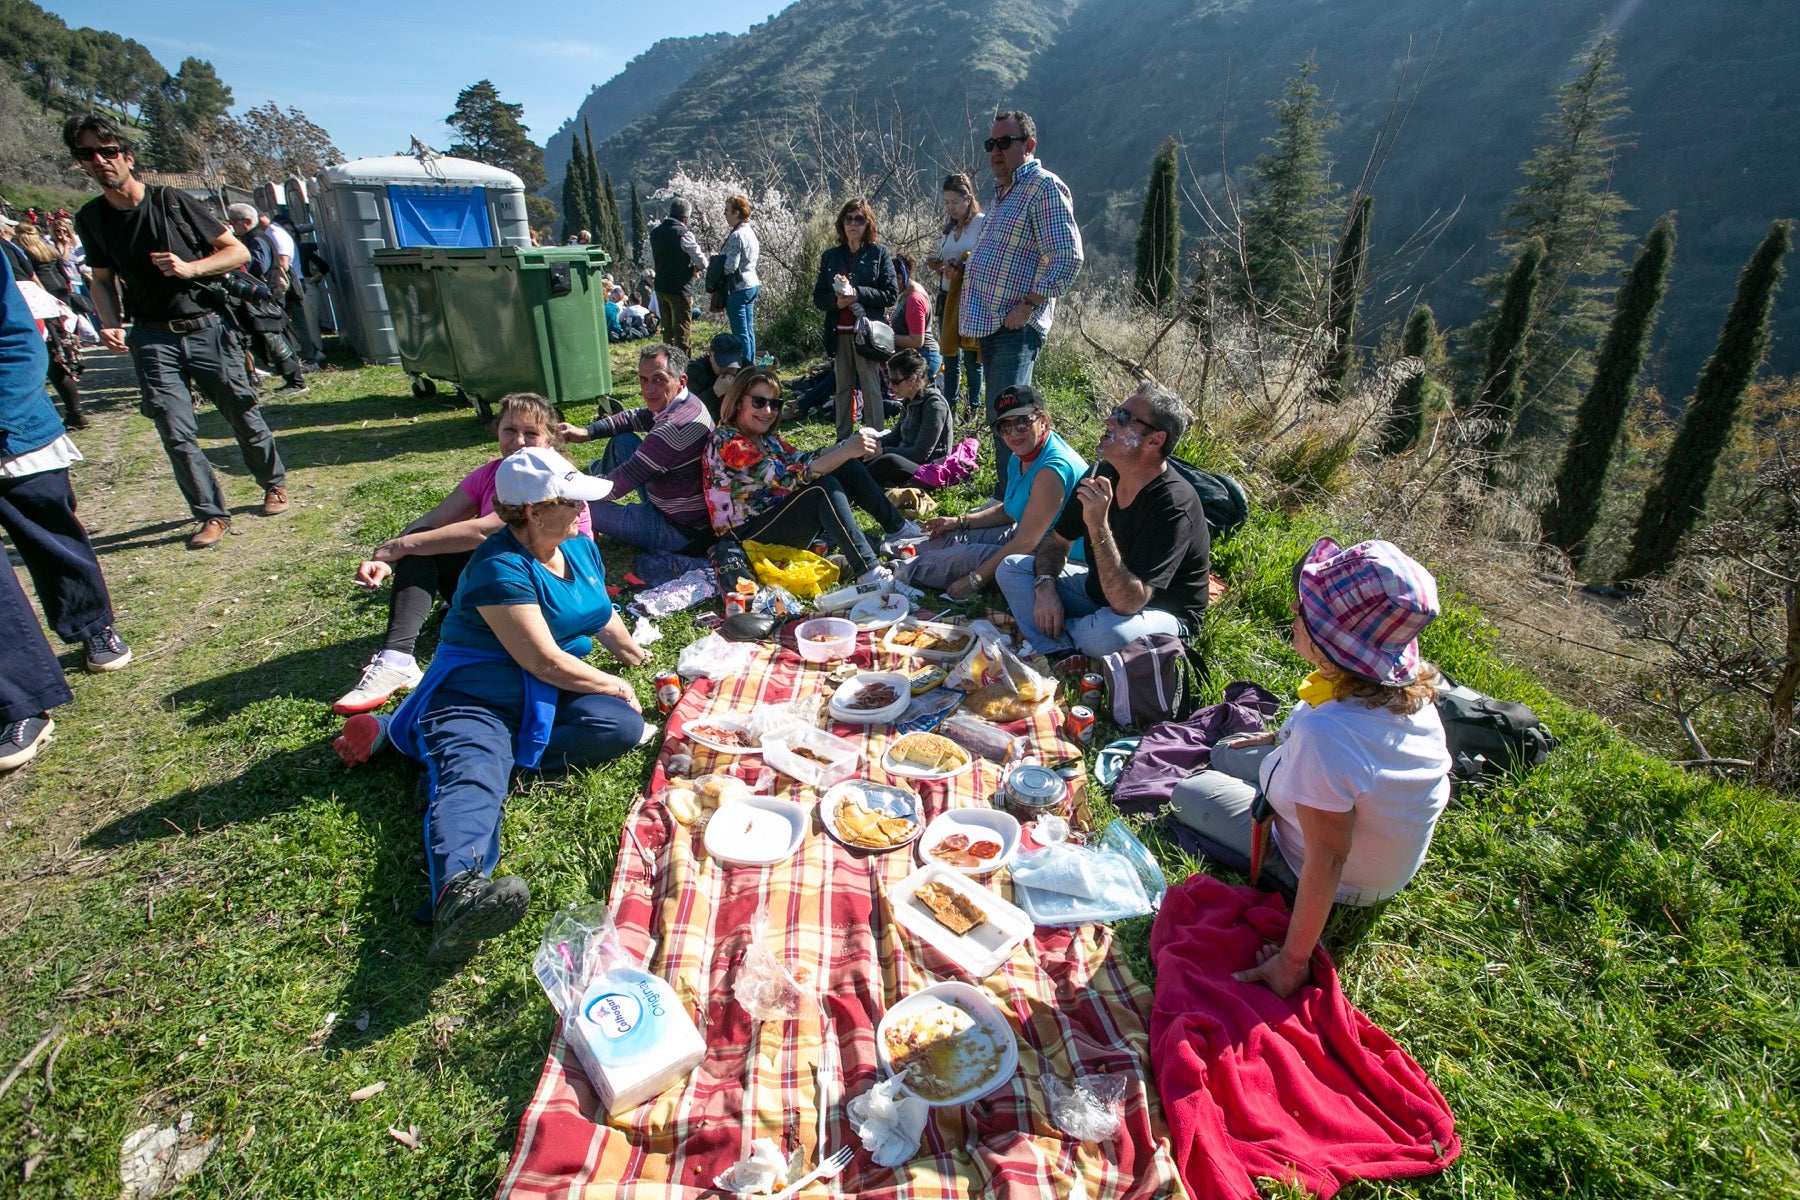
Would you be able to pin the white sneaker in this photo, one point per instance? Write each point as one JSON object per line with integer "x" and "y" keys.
{"x": 877, "y": 575}
{"x": 909, "y": 532}
{"x": 380, "y": 680}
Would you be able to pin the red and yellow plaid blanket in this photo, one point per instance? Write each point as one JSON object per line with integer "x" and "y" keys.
{"x": 1073, "y": 1004}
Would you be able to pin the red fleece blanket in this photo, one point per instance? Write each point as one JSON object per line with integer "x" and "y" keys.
{"x": 1253, "y": 1085}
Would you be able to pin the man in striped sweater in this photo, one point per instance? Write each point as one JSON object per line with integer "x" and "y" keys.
{"x": 656, "y": 452}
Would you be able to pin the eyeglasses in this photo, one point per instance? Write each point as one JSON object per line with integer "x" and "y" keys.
{"x": 1012, "y": 425}
{"x": 855, "y": 219}
{"x": 90, "y": 153}
{"x": 1122, "y": 416}
{"x": 1003, "y": 142}
{"x": 759, "y": 403}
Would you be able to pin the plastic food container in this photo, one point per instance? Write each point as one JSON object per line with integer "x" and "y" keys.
{"x": 935, "y": 627}
{"x": 981, "y": 951}
{"x": 778, "y": 752}
{"x": 1030, "y": 791}
{"x": 841, "y": 645}
{"x": 848, "y": 692}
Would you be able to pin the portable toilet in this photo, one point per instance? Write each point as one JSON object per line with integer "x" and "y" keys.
{"x": 392, "y": 203}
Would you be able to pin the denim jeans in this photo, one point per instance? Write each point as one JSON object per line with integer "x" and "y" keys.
{"x": 467, "y": 738}
{"x": 967, "y": 364}
{"x": 31, "y": 680}
{"x": 38, "y": 513}
{"x": 1007, "y": 356}
{"x": 641, "y": 524}
{"x": 740, "y": 311}
{"x": 1094, "y": 630}
{"x": 208, "y": 361}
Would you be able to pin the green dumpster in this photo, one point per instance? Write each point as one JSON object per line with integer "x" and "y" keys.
{"x": 501, "y": 319}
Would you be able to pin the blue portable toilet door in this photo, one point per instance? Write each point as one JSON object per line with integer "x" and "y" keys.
{"x": 436, "y": 216}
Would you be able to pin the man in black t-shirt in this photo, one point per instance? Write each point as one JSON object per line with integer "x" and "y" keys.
{"x": 1148, "y": 546}
{"x": 164, "y": 247}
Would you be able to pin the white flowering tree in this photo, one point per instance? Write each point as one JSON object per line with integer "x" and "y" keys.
{"x": 778, "y": 226}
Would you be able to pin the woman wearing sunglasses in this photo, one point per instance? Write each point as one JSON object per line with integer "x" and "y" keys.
{"x": 856, "y": 279}
{"x": 758, "y": 487}
{"x": 964, "y": 552}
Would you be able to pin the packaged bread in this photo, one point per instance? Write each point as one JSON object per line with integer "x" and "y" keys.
{"x": 998, "y": 702}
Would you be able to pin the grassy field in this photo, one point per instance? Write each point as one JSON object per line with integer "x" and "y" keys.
{"x": 1597, "y": 965}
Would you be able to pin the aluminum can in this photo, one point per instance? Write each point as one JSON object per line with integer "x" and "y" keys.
{"x": 820, "y": 547}
{"x": 1093, "y": 689}
{"x": 909, "y": 551}
{"x": 668, "y": 691}
{"x": 1081, "y": 724}
{"x": 735, "y": 603}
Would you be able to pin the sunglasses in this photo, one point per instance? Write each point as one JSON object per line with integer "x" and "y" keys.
{"x": 855, "y": 219}
{"x": 1003, "y": 142}
{"x": 1122, "y": 416}
{"x": 1012, "y": 425}
{"x": 92, "y": 153}
{"x": 759, "y": 403}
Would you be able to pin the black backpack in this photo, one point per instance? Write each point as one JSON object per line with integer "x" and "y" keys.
{"x": 1226, "y": 503}
{"x": 1486, "y": 736}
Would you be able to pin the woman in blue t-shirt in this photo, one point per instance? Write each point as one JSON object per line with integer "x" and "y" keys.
{"x": 1041, "y": 473}
{"x": 509, "y": 686}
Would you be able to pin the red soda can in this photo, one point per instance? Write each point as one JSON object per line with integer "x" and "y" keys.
{"x": 909, "y": 551}
{"x": 820, "y": 547}
{"x": 668, "y": 691}
{"x": 1081, "y": 724}
{"x": 735, "y": 603}
{"x": 1093, "y": 689}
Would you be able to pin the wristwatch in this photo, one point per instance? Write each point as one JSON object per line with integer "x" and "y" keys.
{"x": 1039, "y": 580}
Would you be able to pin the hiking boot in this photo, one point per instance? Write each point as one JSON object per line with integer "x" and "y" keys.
{"x": 472, "y": 910}
{"x": 73, "y": 417}
{"x": 210, "y": 533}
{"x": 21, "y": 740}
{"x": 275, "y": 501}
{"x": 105, "y": 651}
{"x": 293, "y": 387}
{"x": 380, "y": 680}
{"x": 363, "y": 738}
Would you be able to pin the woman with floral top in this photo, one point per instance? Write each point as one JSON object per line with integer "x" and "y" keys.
{"x": 758, "y": 487}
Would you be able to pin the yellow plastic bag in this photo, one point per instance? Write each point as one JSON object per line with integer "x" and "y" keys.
{"x": 801, "y": 572}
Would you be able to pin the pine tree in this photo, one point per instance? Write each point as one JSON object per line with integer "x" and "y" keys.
{"x": 1407, "y": 417}
{"x": 1346, "y": 294}
{"x": 1567, "y": 202}
{"x": 1291, "y": 207}
{"x": 575, "y": 195}
{"x": 1496, "y": 405}
{"x": 167, "y": 146}
{"x": 1673, "y": 504}
{"x": 1574, "y": 503}
{"x": 1159, "y": 232}
{"x": 637, "y": 227}
{"x": 491, "y": 131}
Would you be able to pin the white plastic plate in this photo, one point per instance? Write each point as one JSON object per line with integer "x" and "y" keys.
{"x": 756, "y": 830}
{"x": 983, "y": 949}
{"x": 976, "y": 824}
{"x": 737, "y": 723}
{"x": 914, "y": 771}
{"x": 850, "y": 689}
{"x": 879, "y": 611}
{"x": 989, "y": 1020}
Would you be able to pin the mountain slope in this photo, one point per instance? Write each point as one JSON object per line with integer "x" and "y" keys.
{"x": 646, "y": 82}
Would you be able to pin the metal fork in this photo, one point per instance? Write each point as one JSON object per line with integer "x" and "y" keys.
{"x": 828, "y": 1169}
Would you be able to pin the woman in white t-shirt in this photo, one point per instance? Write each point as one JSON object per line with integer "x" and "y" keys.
{"x": 1356, "y": 778}
{"x": 962, "y": 226}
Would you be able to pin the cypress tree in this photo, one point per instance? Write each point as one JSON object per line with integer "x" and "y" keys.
{"x": 1407, "y": 418}
{"x": 1159, "y": 232}
{"x": 1566, "y": 201}
{"x": 1497, "y": 404}
{"x": 637, "y": 227}
{"x": 576, "y": 215}
{"x": 1346, "y": 293}
{"x": 1673, "y": 504}
{"x": 1291, "y": 209}
{"x": 615, "y": 228}
{"x": 596, "y": 199}
{"x": 1575, "y": 501}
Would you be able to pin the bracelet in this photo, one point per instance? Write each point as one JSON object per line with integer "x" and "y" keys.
{"x": 1101, "y": 542}
{"x": 975, "y": 580}
{"x": 1040, "y": 579}
{"x": 962, "y": 523}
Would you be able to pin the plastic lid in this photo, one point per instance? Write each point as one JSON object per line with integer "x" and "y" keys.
{"x": 1119, "y": 839}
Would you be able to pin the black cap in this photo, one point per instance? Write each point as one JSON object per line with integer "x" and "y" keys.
{"x": 728, "y": 351}
{"x": 1016, "y": 400}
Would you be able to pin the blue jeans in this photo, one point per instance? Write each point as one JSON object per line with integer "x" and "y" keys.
{"x": 1007, "y": 356}
{"x": 467, "y": 736}
{"x": 740, "y": 311}
{"x": 641, "y": 524}
{"x": 969, "y": 362}
{"x": 38, "y": 513}
{"x": 1094, "y": 630}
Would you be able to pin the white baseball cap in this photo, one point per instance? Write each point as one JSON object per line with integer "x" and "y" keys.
{"x": 538, "y": 473}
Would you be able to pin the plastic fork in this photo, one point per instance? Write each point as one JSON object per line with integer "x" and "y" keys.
{"x": 827, "y": 1169}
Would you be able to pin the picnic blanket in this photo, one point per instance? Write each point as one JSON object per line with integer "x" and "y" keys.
{"x": 1073, "y": 1004}
{"x": 1255, "y": 1085}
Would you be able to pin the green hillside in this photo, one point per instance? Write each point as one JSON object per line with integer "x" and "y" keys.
{"x": 646, "y": 82}
{"x": 1712, "y": 98}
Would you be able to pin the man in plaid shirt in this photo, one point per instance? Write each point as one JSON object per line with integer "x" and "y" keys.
{"x": 1028, "y": 254}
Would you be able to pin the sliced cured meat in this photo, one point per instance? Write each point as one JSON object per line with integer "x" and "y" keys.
{"x": 955, "y": 841}
{"x": 983, "y": 850}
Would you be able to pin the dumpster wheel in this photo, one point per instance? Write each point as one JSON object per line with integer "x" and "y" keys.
{"x": 423, "y": 388}
{"x": 484, "y": 411}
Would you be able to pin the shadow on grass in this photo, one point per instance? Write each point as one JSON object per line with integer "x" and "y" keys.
{"x": 320, "y": 673}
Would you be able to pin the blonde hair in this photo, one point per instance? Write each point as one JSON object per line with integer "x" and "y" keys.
{"x": 1402, "y": 698}
{"x": 738, "y": 206}
{"x": 32, "y": 242}
{"x": 533, "y": 407}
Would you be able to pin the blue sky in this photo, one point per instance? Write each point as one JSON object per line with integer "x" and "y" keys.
{"x": 374, "y": 73}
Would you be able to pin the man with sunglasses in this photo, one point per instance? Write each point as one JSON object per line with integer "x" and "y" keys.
{"x": 1148, "y": 546}
{"x": 1027, "y": 255}
{"x": 161, "y": 244}
{"x": 655, "y": 451}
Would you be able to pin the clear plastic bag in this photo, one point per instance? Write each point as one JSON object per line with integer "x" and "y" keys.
{"x": 994, "y": 674}
{"x": 713, "y": 657}
{"x": 1066, "y": 884}
{"x": 1090, "y": 1108}
{"x": 982, "y": 737}
{"x": 767, "y": 989}
{"x": 579, "y": 944}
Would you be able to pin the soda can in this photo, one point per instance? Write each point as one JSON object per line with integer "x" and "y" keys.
{"x": 1081, "y": 724}
{"x": 1093, "y": 689}
{"x": 735, "y": 603}
{"x": 668, "y": 691}
{"x": 909, "y": 551}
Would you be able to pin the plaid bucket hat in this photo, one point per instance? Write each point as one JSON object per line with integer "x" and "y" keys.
{"x": 1364, "y": 607}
